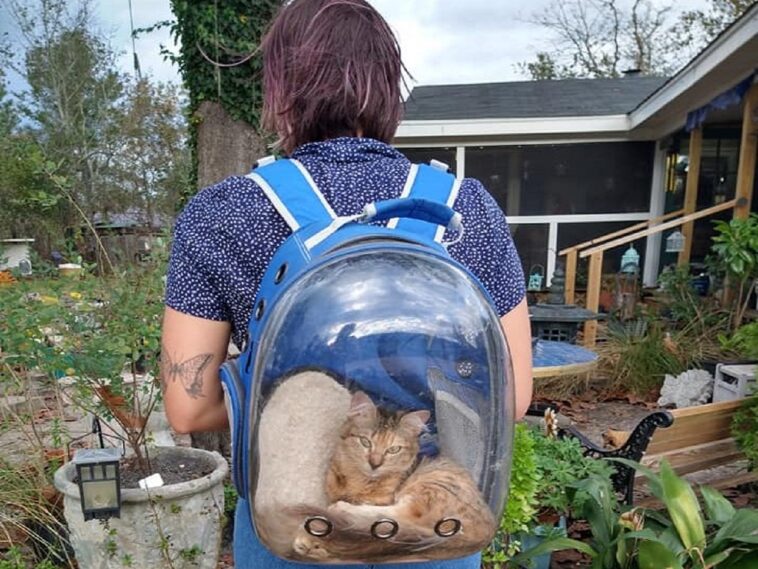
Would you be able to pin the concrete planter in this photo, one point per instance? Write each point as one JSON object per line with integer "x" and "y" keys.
{"x": 189, "y": 514}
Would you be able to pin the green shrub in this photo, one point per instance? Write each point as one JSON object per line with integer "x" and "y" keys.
{"x": 521, "y": 506}
{"x": 745, "y": 429}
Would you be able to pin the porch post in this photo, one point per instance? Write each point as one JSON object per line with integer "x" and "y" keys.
{"x": 657, "y": 206}
{"x": 748, "y": 151}
{"x": 594, "y": 284}
{"x": 460, "y": 162}
{"x": 690, "y": 193}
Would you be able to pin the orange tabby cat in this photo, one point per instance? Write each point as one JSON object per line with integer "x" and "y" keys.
{"x": 374, "y": 475}
{"x": 376, "y": 453}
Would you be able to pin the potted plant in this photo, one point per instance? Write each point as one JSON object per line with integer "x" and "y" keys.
{"x": 102, "y": 333}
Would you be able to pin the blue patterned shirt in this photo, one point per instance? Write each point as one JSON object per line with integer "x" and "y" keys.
{"x": 228, "y": 233}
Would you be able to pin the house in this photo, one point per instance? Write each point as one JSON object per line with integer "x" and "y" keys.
{"x": 573, "y": 160}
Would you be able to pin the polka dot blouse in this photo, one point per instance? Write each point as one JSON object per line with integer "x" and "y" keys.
{"x": 228, "y": 233}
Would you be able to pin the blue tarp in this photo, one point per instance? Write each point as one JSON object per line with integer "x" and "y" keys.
{"x": 726, "y": 99}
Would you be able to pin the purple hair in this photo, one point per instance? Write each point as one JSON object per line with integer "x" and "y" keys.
{"x": 330, "y": 68}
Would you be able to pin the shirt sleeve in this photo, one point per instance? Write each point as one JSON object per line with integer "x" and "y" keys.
{"x": 487, "y": 247}
{"x": 190, "y": 287}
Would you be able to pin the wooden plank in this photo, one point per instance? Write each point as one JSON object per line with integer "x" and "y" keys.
{"x": 690, "y": 192}
{"x": 697, "y": 457}
{"x": 695, "y": 425}
{"x": 707, "y": 409}
{"x": 748, "y": 152}
{"x": 659, "y": 228}
{"x": 620, "y": 232}
{"x": 571, "y": 258}
{"x": 692, "y": 432}
{"x": 594, "y": 282}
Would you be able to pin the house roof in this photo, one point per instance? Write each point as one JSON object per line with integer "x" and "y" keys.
{"x": 530, "y": 99}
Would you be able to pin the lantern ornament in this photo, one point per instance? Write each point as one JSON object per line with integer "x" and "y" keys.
{"x": 99, "y": 482}
{"x": 675, "y": 242}
{"x": 536, "y": 278}
{"x": 630, "y": 262}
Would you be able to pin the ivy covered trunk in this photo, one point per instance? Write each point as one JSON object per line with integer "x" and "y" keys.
{"x": 225, "y": 146}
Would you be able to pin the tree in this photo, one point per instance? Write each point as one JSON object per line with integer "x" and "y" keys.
{"x": 599, "y": 39}
{"x": 697, "y": 28}
{"x": 98, "y": 141}
{"x": 220, "y": 66}
{"x": 152, "y": 164}
{"x": 27, "y": 201}
{"x": 603, "y": 38}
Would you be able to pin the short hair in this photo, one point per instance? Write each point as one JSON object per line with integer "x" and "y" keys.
{"x": 330, "y": 68}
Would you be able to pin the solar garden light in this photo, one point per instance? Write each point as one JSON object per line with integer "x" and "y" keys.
{"x": 99, "y": 478}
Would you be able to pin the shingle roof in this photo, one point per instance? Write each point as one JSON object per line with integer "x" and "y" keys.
{"x": 530, "y": 99}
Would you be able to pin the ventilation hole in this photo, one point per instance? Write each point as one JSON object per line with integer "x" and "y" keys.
{"x": 384, "y": 529}
{"x": 465, "y": 368}
{"x": 259, "y": 308}
{"x": 318, "y": 526}
{"x": 447, "y": 527}
{"x": 280, "y": 274}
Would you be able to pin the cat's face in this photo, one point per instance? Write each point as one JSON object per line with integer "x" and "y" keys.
{"x": 377, "y": 443}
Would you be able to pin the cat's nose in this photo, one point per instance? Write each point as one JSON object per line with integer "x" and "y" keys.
{"x": 375, "y": 461}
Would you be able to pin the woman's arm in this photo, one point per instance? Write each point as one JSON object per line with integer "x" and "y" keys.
{"x": 519, "y": 336}
{"x": 192, "y": 351}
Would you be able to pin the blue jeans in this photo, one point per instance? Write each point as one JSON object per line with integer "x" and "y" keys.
{"x": 250, "y": 554}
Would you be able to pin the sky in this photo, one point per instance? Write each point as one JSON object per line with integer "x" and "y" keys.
{"x": 443, "y": 41}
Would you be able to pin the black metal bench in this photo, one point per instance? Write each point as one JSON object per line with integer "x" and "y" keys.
{"x": 633, "y": 449}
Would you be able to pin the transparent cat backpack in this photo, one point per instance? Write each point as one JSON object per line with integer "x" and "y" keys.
{"x": 372, "y": 409}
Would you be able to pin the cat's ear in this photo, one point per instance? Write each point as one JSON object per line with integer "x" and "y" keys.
{"x": 361, "y": 407}
{"x": 416, "y": 420}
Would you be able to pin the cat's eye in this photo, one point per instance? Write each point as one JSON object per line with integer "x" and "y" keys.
{"x": 365, "y": 442}
{"x": 393, "y": 450}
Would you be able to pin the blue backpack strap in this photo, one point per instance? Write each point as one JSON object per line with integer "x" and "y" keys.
{"x": 291, "y": 190}
{"x": 429, "y": 182}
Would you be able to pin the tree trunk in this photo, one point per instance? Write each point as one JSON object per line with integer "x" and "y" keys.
{"x": 225, "y": 147}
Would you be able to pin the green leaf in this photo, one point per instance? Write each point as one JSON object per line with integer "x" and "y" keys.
{"x": 655, "y": 555}
{"x": 743, "y": 525}
{"x": 683, "y": 507}
{"x": 717, "y": 508}
{"x": 740, "y": 560}
{"x": 553, "y": 544}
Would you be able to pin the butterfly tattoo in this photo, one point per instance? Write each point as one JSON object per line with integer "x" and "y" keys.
{"x": 189, "y": 372}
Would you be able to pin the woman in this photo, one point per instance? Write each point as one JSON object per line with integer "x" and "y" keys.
{"x": 332, "y": 82}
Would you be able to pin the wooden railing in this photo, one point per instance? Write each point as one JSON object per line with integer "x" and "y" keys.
{"x": 596, "y": 248}
{"x": 572, "y": 253}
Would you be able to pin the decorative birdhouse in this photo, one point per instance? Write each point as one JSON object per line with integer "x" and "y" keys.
{"x": 675, "y": 242}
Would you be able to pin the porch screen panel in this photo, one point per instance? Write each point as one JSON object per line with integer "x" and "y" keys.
{"x": 499, "y": 169}
{"x": 594, "y": 178}
{"x": 425, "y": 155}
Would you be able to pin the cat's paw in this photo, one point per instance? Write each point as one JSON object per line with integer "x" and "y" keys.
{"x": 310, "y": 547}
